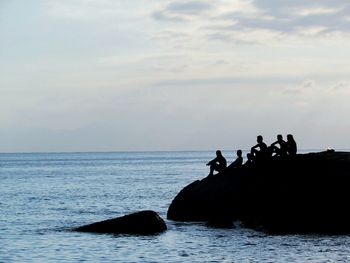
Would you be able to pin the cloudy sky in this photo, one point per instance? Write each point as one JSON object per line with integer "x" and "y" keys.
{"x": 114, "y": 75}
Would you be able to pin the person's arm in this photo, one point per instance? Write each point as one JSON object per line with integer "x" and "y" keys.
{"x": 294, "y": 148}
{"x": 254, "y": 147}
{"x": 234, "y": 163}
{"x": 212, "y": 161}
{"x": 276, "y": 142}
{"x": 247, "y": 163}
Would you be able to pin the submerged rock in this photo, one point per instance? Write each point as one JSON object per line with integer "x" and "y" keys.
{"x": 143, "y": 223}
{"x": 307, "y": 193}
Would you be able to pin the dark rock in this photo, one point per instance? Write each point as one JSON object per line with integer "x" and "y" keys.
{"x": 307, "y": 193}
{"x": 143, "y": 223}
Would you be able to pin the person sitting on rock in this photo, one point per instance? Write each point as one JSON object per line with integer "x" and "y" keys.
{"x": 249, "y": 161}
{"x": 218, "y": 164}
{"x": 261, "y": 153}
{"x": 282, "y": 149}
{"x": 238, "y": 162}
{"x": 291, "y": 145}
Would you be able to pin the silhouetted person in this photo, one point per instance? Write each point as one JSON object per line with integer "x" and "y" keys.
{"x": 218, "y": 164}
{"x": 238, "y": 162}
{"x": 259, "y": 151}
{"x": 282, "y": 149}
{"x": 249, "y": 161}
{"x": 291, "y": 145}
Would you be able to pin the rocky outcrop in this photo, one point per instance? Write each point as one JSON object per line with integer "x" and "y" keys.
{"x": 142, "y": 223}
{"x": 307, "y": 193}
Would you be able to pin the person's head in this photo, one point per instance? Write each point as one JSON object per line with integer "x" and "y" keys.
{"x": 290, "y": 138}
{"x": 259, "y": 139}
{"x": 239, "y": 153}
{"x": 279, "y": 137}
{"x": 249, "y": 156}
{"x": 218, "y": 153}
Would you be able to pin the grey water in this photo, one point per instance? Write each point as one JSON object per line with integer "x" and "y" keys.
{"x": 44, "y": 195}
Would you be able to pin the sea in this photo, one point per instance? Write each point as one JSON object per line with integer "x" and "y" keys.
{"x": 44, "y": 195}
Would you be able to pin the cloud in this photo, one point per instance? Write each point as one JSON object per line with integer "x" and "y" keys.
{"x": 163, "y": 16}
{"x": 342, "y": 87}
{"x": 284, "y": 7}
{"x": 192, "y": 7}
{"x": 294, "y": 16}
{"x": 243, "y": 21}
{"x": 181, "y": 11}
{"x": 306, "y": 85}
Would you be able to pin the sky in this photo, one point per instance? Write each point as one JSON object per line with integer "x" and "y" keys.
{"x": 137, "y": 75}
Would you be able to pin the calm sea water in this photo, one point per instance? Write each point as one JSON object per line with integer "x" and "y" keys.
{"x": 43, "y": 195}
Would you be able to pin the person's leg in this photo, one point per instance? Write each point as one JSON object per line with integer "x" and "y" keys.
{"x": 277, "y": 151}
{"x": 213, "y": 167}
{"x": 219, "y": 169}
{"x": 272, "y": 150}
{"x": 254, "y": 152}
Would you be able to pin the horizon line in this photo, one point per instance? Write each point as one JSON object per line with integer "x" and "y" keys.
{"x": 150, "y": 151}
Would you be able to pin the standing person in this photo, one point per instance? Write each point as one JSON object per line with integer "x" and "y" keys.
{"x": 259, "y": 151}
{"x": 291, "y": 145}
{"x": 218, "y": 164}
{"x": 238, "y": 162}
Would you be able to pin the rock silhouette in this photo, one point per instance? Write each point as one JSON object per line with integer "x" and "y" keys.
{"x": 142, "y": 223}
{"x": 307, "y": 193}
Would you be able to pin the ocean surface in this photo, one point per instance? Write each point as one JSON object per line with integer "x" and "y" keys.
{"x": 44, "y": 195}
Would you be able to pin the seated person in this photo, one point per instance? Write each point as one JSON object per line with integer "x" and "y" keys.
{"x": 218, "y": 164}
{"x": 238, "y": 162}
{"x": 261, "y": 153}
{"x": 249, "y": 161}
{"x": 291, "y": 145}
{"x": 282, "y": 149}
